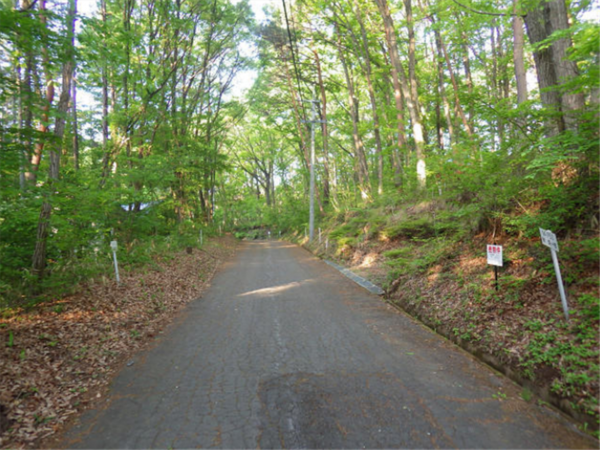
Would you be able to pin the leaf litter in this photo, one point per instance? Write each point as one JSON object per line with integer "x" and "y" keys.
{"x": 56, "y": 359}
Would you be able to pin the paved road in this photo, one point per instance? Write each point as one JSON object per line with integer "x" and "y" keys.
{"x": 283, "y": 351}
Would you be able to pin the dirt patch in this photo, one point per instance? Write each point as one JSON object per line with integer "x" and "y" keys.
{"x": 58, "y": 357}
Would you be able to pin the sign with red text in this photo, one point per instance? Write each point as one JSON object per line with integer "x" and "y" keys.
{"x": 494, "y": 255}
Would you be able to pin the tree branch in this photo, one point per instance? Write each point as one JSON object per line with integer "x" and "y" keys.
{"x": 485, "y": 13}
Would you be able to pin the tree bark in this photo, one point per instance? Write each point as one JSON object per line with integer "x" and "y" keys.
{"x": 457, "y": 104}
{"x": 362, "y": 168}
{"x": 414, "y": 109}
{"x": 518, "y": 54}
{"x": 392, "y": 48}
{"x": 36, "y": 157}
{"x": 39, "y": 255}
{"x": 369, "y": 77}
{"x": 442, "y": 87}
{"x": 554, "y": 69}
{"x": 75, "y": 126}
{"x": 327, "y": 176}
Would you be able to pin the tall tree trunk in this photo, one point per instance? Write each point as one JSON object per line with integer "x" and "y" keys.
{"x": 457, "y": 104}
{"x": 127, "y": 11}
{"x": 554, "y": 69}
{"x": 392, "y": 47}
{"x": 39, "y": 255}
{"x": 104, "y": 77}
{"x": 362, "y": 168}
{"x": 494, "y": 83}
{"x": 396, "y": 158}
{"x": 518, "y": 54}
{"x": 75, "y": 125}
{"x": 104, "y": 80}
{"x": 36, "y": 157}
{"x": 372, "y": 98}
{"x": 442, "y": 87}
{"x": 324, "y": 129}
{"x": 466, "y": 65}
{"x": 414, "y": 109}
{"x": 20, "y": 107}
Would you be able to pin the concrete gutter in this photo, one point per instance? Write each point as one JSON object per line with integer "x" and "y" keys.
{"x": 358, "y": 280}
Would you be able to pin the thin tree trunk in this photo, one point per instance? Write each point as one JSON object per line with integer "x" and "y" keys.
{"x": 494, "y": 82}
{"x": 104, "y": 81}
{"x": 392, "y": 47}
{"x": 466, "y": 65}
{"x": 20, "y": 107}
{"x": 372, "y": 99}
{"x": 361, "y": 161}
{"x": 414, "y": 110}
{"x": 326, "y": 177}
{"x": 36, "y": 157}
{"x": 127, "y": 10}
{"x": 75, "y": 125}
{"x": 457, "y": 104}
{"x": 25, "y": 109}
{"x": 442, "y": 85}
{"x": 39, "y": 255}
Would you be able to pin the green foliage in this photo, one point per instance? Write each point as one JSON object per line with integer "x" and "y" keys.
{"x": 398, "y": 252}
{"x": 590, "y": 307}
{"x": 413, "y": 228}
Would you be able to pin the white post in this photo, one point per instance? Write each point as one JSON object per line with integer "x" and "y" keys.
{"x": 319, "y": 235}
{"x": 200, "y": 236}
{"x": 549, "y": 240}
{"x": 311, "y": 218}
{"x": 561, "y": 288}
{"x": 113, "y": 245}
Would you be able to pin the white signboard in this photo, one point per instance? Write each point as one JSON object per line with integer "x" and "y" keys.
{"x": 549, "y": 239}
{"x": 113, "y": 245}
{"x": 494, "y": 255}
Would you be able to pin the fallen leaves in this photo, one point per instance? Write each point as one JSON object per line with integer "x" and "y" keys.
{"x": 457, "y": 297}
{"x": 55, "y": 359}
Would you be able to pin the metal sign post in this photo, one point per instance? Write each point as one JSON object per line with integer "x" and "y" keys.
{"x": 549, "y": 240}
{"x": 494, "y": 258}
{"x": 113, "y": 246}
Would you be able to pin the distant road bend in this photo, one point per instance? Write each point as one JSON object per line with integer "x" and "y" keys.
{"x": 285, "y": 352}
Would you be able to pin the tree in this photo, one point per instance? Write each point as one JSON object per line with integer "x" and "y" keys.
{"x": 68, "y": 66}
{"x": 547, "y": 26}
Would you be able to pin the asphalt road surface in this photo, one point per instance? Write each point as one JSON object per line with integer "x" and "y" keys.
{"x": 285, "y": 352}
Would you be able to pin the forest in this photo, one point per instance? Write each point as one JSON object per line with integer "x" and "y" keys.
{"x": 427, "y": 124}
{"x": 491, "y": 107}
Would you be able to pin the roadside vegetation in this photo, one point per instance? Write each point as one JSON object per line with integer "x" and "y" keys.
{"x": 430, "y": 258}
{"x": 58, "y": 356}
